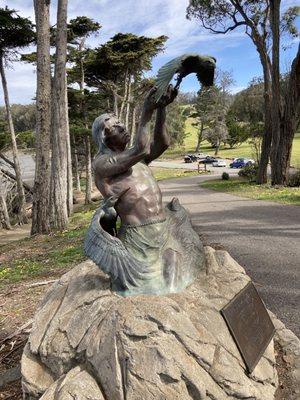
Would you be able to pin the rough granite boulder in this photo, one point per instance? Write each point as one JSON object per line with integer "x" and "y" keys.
{"x": 89, "y": 343}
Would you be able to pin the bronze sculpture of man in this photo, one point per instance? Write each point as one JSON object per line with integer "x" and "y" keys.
{"x": 155, "y": 250}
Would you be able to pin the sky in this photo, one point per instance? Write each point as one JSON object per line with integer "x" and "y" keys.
{"x": 234, "y": 52}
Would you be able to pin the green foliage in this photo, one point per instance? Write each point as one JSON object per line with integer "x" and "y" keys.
{"x": 237, "y": 133}
{"x": 15, "y": 32}
{"x": 188, "y": 110}
{"x": 23, "y": 116}
{"x": 249, "y": 172}
{"x": 124, "y": 52}
{"x": 26, "y": 139}
{"x": 175, "y": 122}
{"x": 4, "y": 140}
{"x": 225, "y": 176}
{"x": 211, "y": 109}
{"x": 223, "y": 16}
{"x": 81, "y": 27}
{"x": 248, "y": 105}
{"x": 294, "y": 179}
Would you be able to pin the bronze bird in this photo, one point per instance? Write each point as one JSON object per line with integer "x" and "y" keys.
{"x": 203, "y": 66}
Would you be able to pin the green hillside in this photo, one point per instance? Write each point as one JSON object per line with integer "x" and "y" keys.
{"x": 244, "y": 150}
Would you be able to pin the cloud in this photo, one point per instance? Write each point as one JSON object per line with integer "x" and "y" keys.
{"x": 21, "y": 81}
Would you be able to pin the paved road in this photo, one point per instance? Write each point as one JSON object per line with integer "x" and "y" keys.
{"x": 193, "y": 166}
{"x": 264, "y": 237}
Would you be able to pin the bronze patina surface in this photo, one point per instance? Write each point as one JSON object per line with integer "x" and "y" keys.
{"x": 250, "y": 324}
{"x": 156, "y": 250}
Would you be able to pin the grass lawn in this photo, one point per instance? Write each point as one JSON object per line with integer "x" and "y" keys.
{"x": 44, "y": 256}
{"x": 168, "y": 173}
{"x": 244, "y": 150}
{"x": 240, "y": 187}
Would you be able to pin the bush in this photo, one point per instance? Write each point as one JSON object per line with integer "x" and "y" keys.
{"x": 26, "y": 139}
{"x": 225, "y": 176}
{"x": 249, "y": 172}
{"x": 294, "y": 179}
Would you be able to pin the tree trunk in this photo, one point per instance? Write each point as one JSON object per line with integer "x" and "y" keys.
{"x": 21, "y": 194}
{"x": 217, "y": 147}
{"x": 116, "y": 107}
{"x": 5, "y": 216}
{"x": 88, "y": 170}
{"x": 125, "y": 96}
{"x": 262, "y": 174}
{"x": 128, "y": 103}
{"x": 69, "y": 162}
{"x": 199, "y": 139}
{"x": 290, "y": 121}
{"x": 82, "y": 78}
{"x": 59, "y": 164}
{"x": 276, "y": 176}
{"x": 41, "y": 196}
{"x": 76, "y": 168}
{"x": 133, "y": 125}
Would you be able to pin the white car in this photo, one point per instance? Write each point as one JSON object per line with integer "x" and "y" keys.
{"x": 219, "y": 163}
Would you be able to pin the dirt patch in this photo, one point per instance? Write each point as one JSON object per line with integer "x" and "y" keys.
{"x": 14, "y": 234}
{"x": 18, "y": 305}
{"x": 286, "y": 386}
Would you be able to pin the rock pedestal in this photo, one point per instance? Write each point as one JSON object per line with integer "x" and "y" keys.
{"x": 89, "y": 343}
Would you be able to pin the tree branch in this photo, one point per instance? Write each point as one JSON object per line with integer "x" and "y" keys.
{"x": 229, "y": 29}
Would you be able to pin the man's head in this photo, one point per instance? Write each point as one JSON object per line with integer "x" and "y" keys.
{"x": 108, "y": 132}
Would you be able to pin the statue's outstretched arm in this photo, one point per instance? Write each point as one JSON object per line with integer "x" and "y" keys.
{"x": 161, "y": 139}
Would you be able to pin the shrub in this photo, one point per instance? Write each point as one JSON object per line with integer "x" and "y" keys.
{"x": 225, "y": 176}
{"x": 294, "y": 179}
{"x": 249, "y": 172}
{"x": 26, "y": 139}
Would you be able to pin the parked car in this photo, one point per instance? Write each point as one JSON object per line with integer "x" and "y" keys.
{"x": 208, "y": 160}
{"x": 219, "y": 163}
{"x": 189, "y": 158}
{"x": 241, "y": 162}
{"x": 201, "y": 156}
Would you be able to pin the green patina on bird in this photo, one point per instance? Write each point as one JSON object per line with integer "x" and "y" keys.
{"x": 202, "y": 66}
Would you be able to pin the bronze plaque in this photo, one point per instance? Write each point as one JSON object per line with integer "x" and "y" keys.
{"x": 249, "y": 324}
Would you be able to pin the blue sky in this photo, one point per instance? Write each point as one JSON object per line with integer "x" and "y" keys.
{"x": 234, "y": 52}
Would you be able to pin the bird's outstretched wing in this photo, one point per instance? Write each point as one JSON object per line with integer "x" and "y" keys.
{"x": 111, "y": 256}
{"x": 165, "y": 75}
{"x": 203, "y": 66}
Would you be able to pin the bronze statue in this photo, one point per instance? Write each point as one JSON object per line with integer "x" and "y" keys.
{"x": 155, "y": 250}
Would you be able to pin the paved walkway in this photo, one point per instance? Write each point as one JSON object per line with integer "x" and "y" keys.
{"x": 264, "y": 237}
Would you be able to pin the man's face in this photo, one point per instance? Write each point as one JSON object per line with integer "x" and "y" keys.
{"x": 116, "y": 136}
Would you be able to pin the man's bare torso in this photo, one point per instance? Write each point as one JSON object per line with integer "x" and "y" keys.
{"x": 142, "y": 202}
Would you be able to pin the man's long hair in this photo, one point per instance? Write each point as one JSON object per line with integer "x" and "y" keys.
{"x": 98, "y": 133}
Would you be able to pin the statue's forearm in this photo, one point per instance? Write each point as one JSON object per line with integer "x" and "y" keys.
{"x": 142, "y": 141}
{"x": 161, "y": 137}
{"x": 161, "y": 140}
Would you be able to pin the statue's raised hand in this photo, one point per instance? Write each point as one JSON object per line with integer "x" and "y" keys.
{"x": 168, "y": 97}
{"x": 150, "y": 103}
